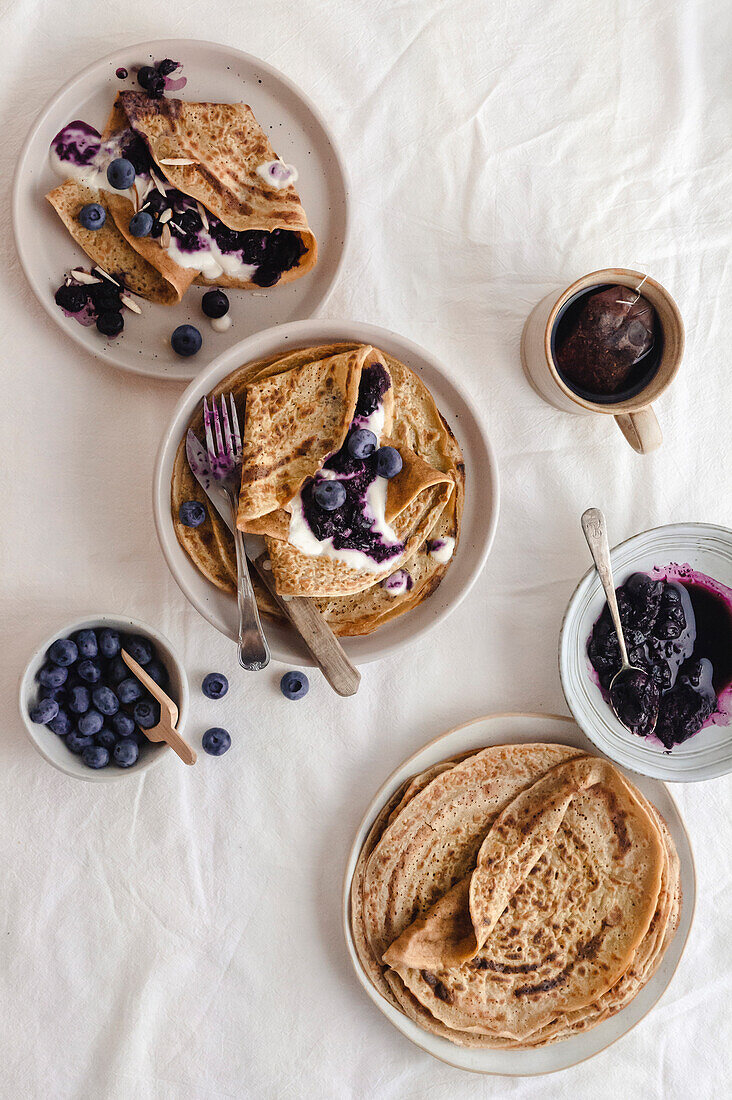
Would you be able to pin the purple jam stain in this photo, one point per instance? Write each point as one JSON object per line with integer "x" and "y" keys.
{"x": 350, "y": 526}
{"x": 121, "y": 73}
{"x": 172, "y": 83}
{"x": 78, "y": 143}
{"x": 678, "y": 627}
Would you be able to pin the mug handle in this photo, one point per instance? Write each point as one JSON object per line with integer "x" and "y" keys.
{"x": 641, "y": 429}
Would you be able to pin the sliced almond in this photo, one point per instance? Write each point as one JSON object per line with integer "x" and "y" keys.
{"x": 160, "y": 186}
{"x": 130, "y": 303}
{"x": 106, "y": 274}
{"x": 165, "y": 216}
{"x": 84, "y": 277}
{"x": 174, "y": 225}
{"x": 165, "y": 237}
{"x": 177, "y": 161}
{"x": 202, "y": 214}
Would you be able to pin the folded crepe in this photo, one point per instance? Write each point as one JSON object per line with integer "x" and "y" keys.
{"x": 515, "y": 898}
{"x": 107, "y": 246}
{"x": 226, "y": 145}
{"x": 294, "y": 421}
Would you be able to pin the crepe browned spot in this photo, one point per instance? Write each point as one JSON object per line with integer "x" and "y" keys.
{"x": 107, "y": 246}
{"x": 482, "y": 968}
{"x": 417, "y": 422}
{"x": 226, "y": 144}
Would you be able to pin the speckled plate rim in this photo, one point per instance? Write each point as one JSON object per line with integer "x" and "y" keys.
{"x": 585, "y": 702}
{"x": 510, "y": 728}
{"x": 479, "y": 522}
{"x": 188, "y": 369}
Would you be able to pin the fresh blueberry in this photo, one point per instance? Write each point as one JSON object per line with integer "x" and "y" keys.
{"x": 72, "y": 298}
{"x": 329, "y": 495}
{"x": 141, "y": 223}
{"x": 129, "y": 690}
{"x": 166, "y": 66}
{"x": 110, "y": 323}
{"x": 105, "y": 700}
{"x": 146, "y": 714}
{"x": 388, "y": 462}
{"x": 138, "y": 648}
{"x": 44, "y": 711}
{"x": 89, "y": 671}
{"x": 53, "y": 676}
{"x": 215, "y": 685}
{"x": 266, "y": 276}
{"x": 216, "y": 741}
{"x": 92, "y": 216}
{"x": 63, "y": 652}
{"x": 95, "y": 756}
{"x": 86, "y": 642}
{"x": 79, "y": 699}
{"x": 116, "y": 671}
{"x": 152, "y": 81}
{"x": 215, "y": 303}
{"x": 186, "y": 340}
{"x": 157, "y": 671}
{"x": 121, "y": 174}
{"x": 192, "y": 513}
{"x": 294, "y": 685}
{"x": 106, "y": 738}
{"x": 90, "y": 723}
{"x": 123, "y": 724}
{"x": 61, "y": 724}
{"x": 109, "y": 643}
{"x": 77, "y": 742}
{"x": 126, "y": 752}
{"x": 362, "y": 443}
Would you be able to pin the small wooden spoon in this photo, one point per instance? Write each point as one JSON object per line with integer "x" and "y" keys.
{"x": 165, "y": 729}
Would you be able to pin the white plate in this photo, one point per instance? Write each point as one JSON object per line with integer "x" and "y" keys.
{"x": 215, "y": 73}
{"x": 512, "y": 729}
{"x": 708, "y": 550}
{"x": 481, "y": 499}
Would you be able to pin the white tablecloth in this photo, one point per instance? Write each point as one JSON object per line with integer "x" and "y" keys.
{"x": 178, "y": 935}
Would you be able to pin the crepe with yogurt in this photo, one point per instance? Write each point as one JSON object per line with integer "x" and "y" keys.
{"x": 107, "y": 247}
{"x": 416, "y": 422}
{"x": 512, "y": 922}
{"x": 218, "y": 192}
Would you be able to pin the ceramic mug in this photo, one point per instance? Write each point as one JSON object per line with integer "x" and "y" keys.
{"x": 633, "y": 415}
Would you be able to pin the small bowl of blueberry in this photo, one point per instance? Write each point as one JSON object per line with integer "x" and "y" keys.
{"x": 674, "y": 593}
{"x": 85, "y": 711}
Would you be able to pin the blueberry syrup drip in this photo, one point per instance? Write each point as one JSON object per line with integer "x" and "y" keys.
{"x": 350, "y": 526}
{"x": 121, "y": 73}
{"x": 681, "y": 634}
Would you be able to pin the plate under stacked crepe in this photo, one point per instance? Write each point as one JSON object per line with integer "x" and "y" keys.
{"x": 514, "y": 907}
{"x": 390, "y": 546}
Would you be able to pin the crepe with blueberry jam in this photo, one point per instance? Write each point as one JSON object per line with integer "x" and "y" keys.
{"x": 223, "y": 207}
{"x": 516, "y": 897}
{"x": 298, "y": 413}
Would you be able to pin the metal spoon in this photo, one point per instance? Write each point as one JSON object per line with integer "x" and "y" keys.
{"x": 631, "y": 686}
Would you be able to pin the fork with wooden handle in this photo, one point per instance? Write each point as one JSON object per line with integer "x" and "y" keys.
{"x": 165, "y": 729}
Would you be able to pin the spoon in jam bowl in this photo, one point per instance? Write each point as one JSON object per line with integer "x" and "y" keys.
{"x": 634, "y": 694}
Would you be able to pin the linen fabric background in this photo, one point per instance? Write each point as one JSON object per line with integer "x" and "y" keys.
{"x": 178, "y": 934}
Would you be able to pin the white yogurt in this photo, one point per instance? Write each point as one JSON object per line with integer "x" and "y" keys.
{"x": 277, "y": 174}
{"x": 221, "y": 324}
{"x": 442, "y": 549}
{"x": 398, "y": 583}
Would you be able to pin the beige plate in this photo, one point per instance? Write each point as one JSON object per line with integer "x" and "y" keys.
{"x": 507, "y": 729}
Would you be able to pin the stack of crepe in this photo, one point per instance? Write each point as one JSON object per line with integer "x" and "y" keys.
{"x": 515, "y": 897}
{"x": 221, "y": 146}
{"x": 296, "y": 411}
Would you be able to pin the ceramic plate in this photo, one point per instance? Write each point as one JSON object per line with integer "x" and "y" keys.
{"x": 707, "y": 549}
{"x": 481, "y": 504}
{"x": 511, "y": 729}
{"x": 214, "y": 73}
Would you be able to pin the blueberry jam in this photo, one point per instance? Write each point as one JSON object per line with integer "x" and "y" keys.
{"x": 351, "y": 526}
{"x": 78, "y": 143}
{"x": 680, "y": 632}
{"x": 88, "y": 303}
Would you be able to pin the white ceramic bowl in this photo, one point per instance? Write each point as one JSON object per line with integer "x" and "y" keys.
{"x": 53, "y": 749}
{"x": 512, "y": 729}
{"x": 480, "y": 516}
{"x": 707, "y": 549}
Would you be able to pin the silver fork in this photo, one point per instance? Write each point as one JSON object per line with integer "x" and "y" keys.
{"x": 223, "y": 444}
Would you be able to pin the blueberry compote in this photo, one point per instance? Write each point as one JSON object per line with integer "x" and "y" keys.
{"x": 681, "y": 633}
{"x": 351, "y": 527}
